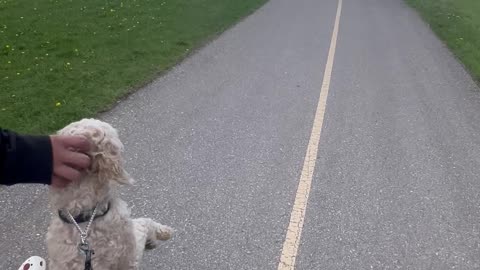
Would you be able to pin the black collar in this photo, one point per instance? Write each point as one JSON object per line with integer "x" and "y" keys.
{"x": 84, "y": 216}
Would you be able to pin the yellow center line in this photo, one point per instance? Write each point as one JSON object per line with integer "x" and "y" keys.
{"x": 294, "y": 232}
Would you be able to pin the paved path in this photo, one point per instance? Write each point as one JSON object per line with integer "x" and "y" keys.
{"x": 218, "y": 144}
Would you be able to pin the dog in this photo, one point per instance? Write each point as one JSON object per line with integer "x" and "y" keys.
{"x": 115, "y": 241}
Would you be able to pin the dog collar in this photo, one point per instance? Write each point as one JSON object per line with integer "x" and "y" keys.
{"x": 84, "y": 216}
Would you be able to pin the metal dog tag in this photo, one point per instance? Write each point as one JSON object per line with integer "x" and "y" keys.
{"x": 88, "y": 252}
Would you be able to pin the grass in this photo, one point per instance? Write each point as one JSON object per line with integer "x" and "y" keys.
{"x": 457, "y": 22}
{"x": 61, "y": 60}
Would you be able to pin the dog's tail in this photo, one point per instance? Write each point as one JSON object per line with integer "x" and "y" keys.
{"x": 149, "y": 232}
{"x": 163, "y": 232}
{"x": 160, "y": 232}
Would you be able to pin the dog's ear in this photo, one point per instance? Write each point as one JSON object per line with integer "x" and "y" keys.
{"x": 107, "y": 161}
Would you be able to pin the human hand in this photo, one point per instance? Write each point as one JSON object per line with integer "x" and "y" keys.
{"x": 69, "y": 158}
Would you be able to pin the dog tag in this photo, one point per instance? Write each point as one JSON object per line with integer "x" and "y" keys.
{"x": 88, "y": 252}
{"x": 83, "y": 247}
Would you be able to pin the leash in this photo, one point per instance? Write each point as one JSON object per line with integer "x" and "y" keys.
{"x": 83, "y": 246}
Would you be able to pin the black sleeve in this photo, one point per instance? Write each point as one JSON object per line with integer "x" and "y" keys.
{"x": 25, "y": 159}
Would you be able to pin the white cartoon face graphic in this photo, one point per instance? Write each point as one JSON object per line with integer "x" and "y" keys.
{"x": 34, "y": 263}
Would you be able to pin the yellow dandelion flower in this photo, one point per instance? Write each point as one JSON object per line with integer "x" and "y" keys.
{"x": 58, "y": 104}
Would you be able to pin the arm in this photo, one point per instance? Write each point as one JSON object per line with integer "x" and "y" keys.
{"x": 25, "y": 159}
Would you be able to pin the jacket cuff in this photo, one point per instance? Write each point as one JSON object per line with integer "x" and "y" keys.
{"x": 31, "y": 160}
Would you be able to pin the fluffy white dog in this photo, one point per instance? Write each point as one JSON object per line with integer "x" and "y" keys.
{"x": 115, "y": 241}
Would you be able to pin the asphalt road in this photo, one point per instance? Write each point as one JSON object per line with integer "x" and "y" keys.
{"x": 217, "y": 146}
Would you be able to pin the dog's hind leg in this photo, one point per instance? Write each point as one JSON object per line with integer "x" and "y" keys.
{"x": 147, "y": 234}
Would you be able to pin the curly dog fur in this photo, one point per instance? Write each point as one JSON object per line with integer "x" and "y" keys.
{"x": 117, "y": 239}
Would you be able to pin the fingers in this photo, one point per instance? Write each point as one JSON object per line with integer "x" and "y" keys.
{"x": 69, "y": 159}
{"x": 67, "y": 173}
{"x": 78, "y": 143}
{"x": 77, "y": 160}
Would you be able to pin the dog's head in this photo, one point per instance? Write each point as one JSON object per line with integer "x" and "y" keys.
{"x": 106, "y": 152}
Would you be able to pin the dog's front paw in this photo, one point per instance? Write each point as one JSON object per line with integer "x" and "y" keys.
{"x": 164, "y": 232}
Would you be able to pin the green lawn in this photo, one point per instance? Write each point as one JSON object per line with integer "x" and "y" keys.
{"x": 457, "y": 22}
{"x": 61, "y": 60}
